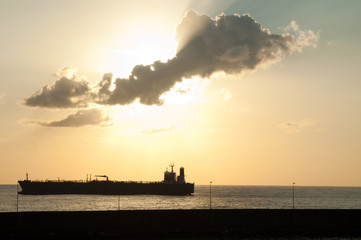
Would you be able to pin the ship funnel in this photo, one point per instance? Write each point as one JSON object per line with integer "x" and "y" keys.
{"x": 181, "y": 177}
{"x": 181, "y": 171}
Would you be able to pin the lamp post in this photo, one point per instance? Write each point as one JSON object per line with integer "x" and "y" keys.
{"x": 210, "y": 195}
{"x": 293, "y": 195}
{"x": 17, "y": 197}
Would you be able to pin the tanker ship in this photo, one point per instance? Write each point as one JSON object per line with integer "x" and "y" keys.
{"x": 171, "y": 185}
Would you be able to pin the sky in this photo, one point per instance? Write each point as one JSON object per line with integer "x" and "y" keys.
{"x": 236, "y": 92}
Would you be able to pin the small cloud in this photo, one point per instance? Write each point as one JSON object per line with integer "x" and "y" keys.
{"x": 2, "y": 96}
{"x": 187, "y": 91}
{"x": 182, "y": 91}
{"x": 295, "y": 127}
{"x": 68, "y": 72}
{"x": 303, "y": 38}
{"x": 69, "y": 91}
{"x": 81, "y": 118}
{"x": 226, "y": 94}
{"x": 168, "y": 129}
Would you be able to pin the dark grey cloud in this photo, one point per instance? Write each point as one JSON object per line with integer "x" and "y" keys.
{"x": 104, "y": 86}
{"x": 68, "y": 91}
{"x": 81, "y": 118}
{"x": 230, "y": 44}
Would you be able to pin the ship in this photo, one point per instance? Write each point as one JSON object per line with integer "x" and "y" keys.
{"x": 171, "y": 185}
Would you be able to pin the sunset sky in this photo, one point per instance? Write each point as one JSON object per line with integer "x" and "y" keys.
{"x": 237, "y": 92}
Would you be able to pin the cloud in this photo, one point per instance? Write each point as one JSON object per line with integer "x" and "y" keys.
{"x": 228, "y": 43}
{"x": 68, "y": 72}
{"x": 226, "y": 94}
{"x": 2, "y": 96}
{"x": 304, "y": 38}
{"x": 295, "y": 127}
{"x": 187, "y": 91}
{"x": 168, "y": 129}
{"x": 69, "y": 91}
{"x": 81, "y": 118}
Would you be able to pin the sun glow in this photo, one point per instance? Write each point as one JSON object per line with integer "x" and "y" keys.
{"x": 144, "y": 46}
{"x": 186, "y": 92}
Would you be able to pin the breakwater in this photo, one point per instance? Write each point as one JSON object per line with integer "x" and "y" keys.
{"x": 217, "y": 223}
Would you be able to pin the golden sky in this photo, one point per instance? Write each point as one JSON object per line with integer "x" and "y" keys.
{"x": 237, "y": 92}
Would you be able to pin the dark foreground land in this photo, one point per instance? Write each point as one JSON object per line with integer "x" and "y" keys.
{"x": 182, "y": 224}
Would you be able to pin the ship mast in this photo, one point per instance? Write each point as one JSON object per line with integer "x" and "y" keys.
{"x": 172, "y": 165}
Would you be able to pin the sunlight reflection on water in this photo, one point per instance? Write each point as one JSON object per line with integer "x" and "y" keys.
{"x": 223, "y": 197}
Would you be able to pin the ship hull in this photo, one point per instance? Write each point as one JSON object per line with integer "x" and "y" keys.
{"x": 105, "y": 188}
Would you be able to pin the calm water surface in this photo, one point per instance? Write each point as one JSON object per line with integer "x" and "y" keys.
{"x": 223, "y": 197}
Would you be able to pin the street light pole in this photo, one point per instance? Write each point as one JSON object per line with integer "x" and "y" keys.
{"x": 293, "y": 195}
{"x": 17, "y": 197}
{"x": 210, "y": 195}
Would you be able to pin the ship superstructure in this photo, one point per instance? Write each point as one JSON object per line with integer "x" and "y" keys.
{"x": 171, "y": 177}
{"x": 171, "y": 185}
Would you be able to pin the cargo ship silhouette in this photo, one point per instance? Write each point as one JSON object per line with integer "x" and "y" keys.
{"x": 171, "y": 185}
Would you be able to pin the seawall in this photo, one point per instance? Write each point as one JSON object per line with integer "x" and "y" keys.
{"x": 214, "y": 224}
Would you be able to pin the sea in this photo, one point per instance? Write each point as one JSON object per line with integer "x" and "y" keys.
{"x": 204, "y": 197}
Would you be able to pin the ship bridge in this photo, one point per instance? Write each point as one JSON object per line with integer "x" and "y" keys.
{"x": 171, "y": 177}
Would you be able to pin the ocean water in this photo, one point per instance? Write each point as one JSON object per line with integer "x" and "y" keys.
{"x": 222, "y": 197}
